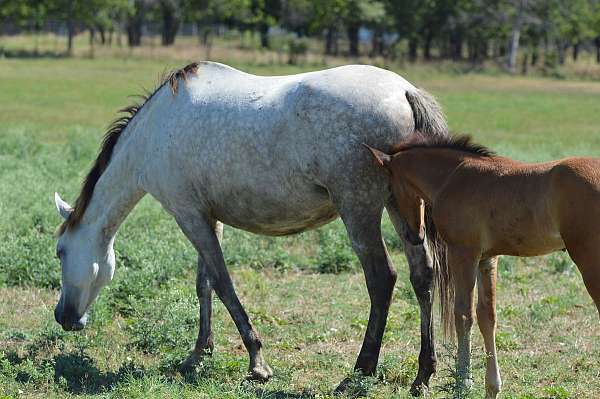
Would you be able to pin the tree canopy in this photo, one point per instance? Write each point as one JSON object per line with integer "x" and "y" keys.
{"x": 471, "y": 30}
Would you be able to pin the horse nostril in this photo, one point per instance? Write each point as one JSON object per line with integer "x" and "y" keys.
{"x": 57, "y": 316}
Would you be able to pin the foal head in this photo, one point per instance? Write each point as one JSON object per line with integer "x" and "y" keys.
{"x": 87, "y": 262}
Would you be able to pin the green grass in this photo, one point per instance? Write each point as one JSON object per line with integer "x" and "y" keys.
{"x": 52, "y": 115}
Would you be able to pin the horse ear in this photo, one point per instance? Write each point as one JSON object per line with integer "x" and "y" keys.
{"x": 63, "y": 208}
{"x": 381, "y": 158}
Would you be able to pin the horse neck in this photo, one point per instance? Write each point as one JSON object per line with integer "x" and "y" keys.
{"x": 117, "y": 191}
{"x": 428, "y": 168}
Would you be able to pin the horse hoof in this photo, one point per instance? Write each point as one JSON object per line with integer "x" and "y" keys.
{"x": 260, "y": 373}
{"x": 190, "y": 363}
{"x": 417, "y": 388}
{"x": 466, "y": 384}
{"x": 343, "y": 386}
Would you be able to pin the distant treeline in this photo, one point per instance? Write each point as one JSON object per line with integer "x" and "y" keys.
{"x": 462, "y": 30}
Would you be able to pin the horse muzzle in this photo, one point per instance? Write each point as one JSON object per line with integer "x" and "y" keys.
{"x": 70, "y": 321}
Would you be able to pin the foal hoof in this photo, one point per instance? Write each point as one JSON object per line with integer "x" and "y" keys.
{"x": 260, "y": 373}
{"x": 463, "y": 388}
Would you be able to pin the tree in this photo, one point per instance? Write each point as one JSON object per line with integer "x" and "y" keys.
{"x": 84, "y": 13}
{"x": 208, "y": 13}
{"x": 171, "y": 11}
{"x": 326, "y": 20}
{"x": 358, "y": 13}
{"x": 596, "y": 28}
{"x": 513, "y": 49}
{"x": 573, "y": 21}
{"x": 136, "y": 13}
{"x": 266, "y": 13}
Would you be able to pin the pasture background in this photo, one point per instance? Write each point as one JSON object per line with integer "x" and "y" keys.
{"x": 305, "y": 293}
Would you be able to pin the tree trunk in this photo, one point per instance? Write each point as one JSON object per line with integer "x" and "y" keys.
{"x": 456, "y": 46}
{"x": 377, "y": 43}
{"x": 562, "y": 49}
{"x": 534, "y": 55}
{"x": 264, "y": 35}
{"x": 102, "y": 33}
{"x": 204, "y": 32}
{"x": 331, "y": 41}
{"x": 92, "y": 40}
{"x": 413, "y": 46}
{"x": 170, "y": 24}
{"x": 525, "y": 64}
{"x": 353, "y": 39}
{"x": 134, "y": 25}
{"x": 576, "y": 51}
{"x": 427, "y": 46}
{"x": 515, "y": 36}
{"x": 70, "y": 34}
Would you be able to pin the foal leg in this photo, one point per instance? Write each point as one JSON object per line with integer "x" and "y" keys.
{"x": 486, "y": 318}
{"x": 421, "y": 278}
{"x": 586, "y": 255}
{"x": 364, "y": 229}
{"x": 204, "y": 342}
{"x": 463, "y": 264}
{"x": 201, "y": 232}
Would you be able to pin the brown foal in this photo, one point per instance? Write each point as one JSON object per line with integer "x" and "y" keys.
{"x": 484, "y": 206}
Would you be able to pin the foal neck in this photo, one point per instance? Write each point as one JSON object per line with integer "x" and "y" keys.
{"x": 427, "y": 169}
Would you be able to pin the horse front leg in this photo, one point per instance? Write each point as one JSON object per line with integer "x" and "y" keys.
{"x": 364, "y": 230}
{"x": 421, "y": 278}
{"x": 204, "y": 342}
{"x": 205, "y": 238}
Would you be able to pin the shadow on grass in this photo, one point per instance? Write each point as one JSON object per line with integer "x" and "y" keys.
{"x": 81, "y": 375}
{"x": 75, "y": 373}
{"x": 279, "y": 394}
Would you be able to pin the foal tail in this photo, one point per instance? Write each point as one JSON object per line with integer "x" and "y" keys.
{"x": 427, "y": 113}
{"x": 444, "y": 286}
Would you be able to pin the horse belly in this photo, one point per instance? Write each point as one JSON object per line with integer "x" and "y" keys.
{"x": 274, "y": 211}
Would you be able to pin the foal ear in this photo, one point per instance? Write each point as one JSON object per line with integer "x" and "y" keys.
{"x": 381, "y": 158}
{"x": 63, "y": 208}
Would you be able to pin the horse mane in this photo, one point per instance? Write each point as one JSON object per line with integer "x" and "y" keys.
{"x": 462, "y": 143}
{"x": 111, "y": 137}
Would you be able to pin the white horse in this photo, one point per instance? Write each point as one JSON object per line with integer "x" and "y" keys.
{"x": 271, "y": 155}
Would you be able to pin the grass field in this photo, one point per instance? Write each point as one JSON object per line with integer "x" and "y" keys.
{"x": 305, "y": 294}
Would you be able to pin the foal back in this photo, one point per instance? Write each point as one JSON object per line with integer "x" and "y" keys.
{"x": 521, "y": 209}
{"x": 576, "y": 193}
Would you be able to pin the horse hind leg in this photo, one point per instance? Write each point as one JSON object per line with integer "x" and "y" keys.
{"x": 486, "y": 319}
{"x": 363, "y": 224}
{"x": 421, "y": 278}
{"x": 586, "y": 255}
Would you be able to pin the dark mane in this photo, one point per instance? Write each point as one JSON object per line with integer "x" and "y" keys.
{"x": 111, "y": 137}
{"x": 462, "y": 143}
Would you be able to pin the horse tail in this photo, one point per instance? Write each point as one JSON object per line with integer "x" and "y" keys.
{"x": 443, "y": 283}
{"x": 427, "y": 113}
